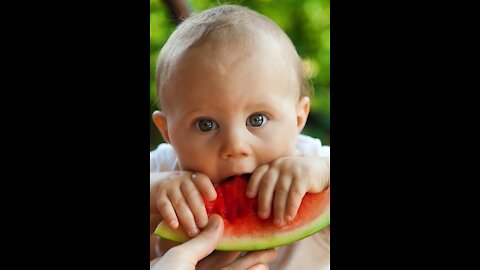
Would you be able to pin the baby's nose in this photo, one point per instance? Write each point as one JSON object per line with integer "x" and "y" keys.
{"x": 235, "y": 145}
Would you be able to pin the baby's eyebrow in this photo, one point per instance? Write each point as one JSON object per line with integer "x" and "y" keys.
{"x": 260, "y": 105}
{"x": 193, "y": 113}
{"x": 186, "y": 114}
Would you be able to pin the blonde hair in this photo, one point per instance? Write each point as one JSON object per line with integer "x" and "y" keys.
{"x": 226, "y": 25}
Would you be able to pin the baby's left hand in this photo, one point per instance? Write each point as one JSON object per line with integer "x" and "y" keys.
{"x": 284, "y": 182}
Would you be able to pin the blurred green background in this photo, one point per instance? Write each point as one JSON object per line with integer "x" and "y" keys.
{"x": 307, "y": 23}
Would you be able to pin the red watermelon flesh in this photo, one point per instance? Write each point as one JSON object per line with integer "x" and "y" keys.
{"x": 244, "y": 230}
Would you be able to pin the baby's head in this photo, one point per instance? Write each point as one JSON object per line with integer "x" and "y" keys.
{"x": 232, "y": 92}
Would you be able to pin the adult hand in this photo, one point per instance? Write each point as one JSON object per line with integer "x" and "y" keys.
{"x": 187, "y": 255}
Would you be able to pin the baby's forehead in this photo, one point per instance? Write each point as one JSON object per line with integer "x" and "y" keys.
{"x": 238, "y": 48}
{"x": 232, "y": 32}
{"x": 263, "y": 57}
{"x": 225, "y": 39}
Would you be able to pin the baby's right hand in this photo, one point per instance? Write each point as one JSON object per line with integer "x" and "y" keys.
{"x": 178, "y": 199}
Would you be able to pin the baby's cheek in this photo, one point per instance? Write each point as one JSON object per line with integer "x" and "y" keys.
{"x": 279, "y": 144}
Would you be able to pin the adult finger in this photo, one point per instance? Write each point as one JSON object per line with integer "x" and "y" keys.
{"x": 204, "y": 243}
{"x": 218, "y": 260}
{"x": 259, "y": 267}
{"x": 253, "y": 259}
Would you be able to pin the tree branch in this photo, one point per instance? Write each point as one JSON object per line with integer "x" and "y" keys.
{"x": 179, "y": 9}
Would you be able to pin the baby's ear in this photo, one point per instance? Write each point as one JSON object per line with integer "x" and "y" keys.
{"x": 160, "y": 121}
{"x": 303, "y": 108}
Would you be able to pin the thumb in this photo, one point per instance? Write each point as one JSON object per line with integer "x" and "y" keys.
{"x": 204, "y": 243}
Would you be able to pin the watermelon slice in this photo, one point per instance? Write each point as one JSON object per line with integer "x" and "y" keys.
{"x": 245, "y": 231}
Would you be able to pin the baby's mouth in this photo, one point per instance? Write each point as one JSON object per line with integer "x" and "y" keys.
{"x": 246, "y": 175}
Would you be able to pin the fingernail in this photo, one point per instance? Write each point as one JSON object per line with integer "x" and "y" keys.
{"x": 194, "y": 176}
{"x": 193, "y": 231}
{"x": 216, "y": 223}
{"x": 201, "y": 225}
{"x": 173, "y": 224}
{"x": 289, "y": 217}
{"x": 263, "y": 214}
{"x": 278, "y": 222}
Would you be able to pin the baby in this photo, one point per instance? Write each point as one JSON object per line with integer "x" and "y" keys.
{"x": 234, "y": 101}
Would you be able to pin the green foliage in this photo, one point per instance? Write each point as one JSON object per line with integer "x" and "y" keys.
{"x": 307, "y": 23}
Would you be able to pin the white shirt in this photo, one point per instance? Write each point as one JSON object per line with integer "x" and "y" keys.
{"x": 310, "y": 253}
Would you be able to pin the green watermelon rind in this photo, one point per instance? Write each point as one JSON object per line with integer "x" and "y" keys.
{"x": 246, "y": 243}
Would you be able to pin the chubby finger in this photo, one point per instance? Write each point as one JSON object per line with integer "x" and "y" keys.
{"x": 167, "y": 212}
{"x": 324, "y": 182}
{"x": 184, "y": 214}
{"x": 254, "y": 181}
{"x": 295, "y": 196}
{"x": 280, "y": 200}
{"x": 204, "y": 185}
{"x": 265, "y": 193}
{"x": 254, "y": 259}
{"x": 204, "y": 243}
{"x": 195, "y": 202}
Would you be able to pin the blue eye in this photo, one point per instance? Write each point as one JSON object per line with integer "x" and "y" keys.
{"x": 206, "y": 125}
{"x": 256, "y": 120}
